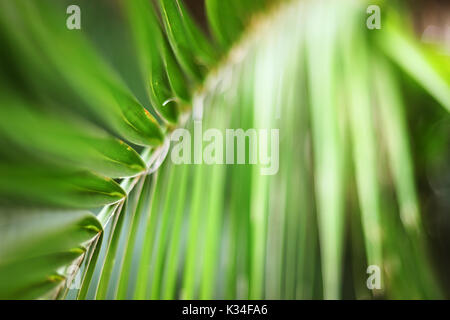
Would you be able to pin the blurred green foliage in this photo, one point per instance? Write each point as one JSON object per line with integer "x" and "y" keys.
{"x": 364, "y": 151}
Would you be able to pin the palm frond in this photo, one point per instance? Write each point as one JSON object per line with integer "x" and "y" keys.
{"x": 308, "y": 74}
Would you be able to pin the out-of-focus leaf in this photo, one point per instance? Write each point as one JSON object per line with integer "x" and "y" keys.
{"x": 67, "y": 140}
{"x": 224, "y": 21}
{"x": 177, "y": 80}
{"x": 54, "y": 186}
{"x": 173, "y": 257}
{"x": 204, "y": 53}
{"x": 149, "y": 41}
{"x": 143, "y": 201}
{"x": 179, "y": 32}
{"x": 362, "y": 132}
{"x": 89, "y": 264}
{"x": 91, "y": 277}
{"x": 34, "y": 245}
{"x": 144, "y": 264}
{"x": 111, "y": 254}
{"x": 394, "y": 127}
{"x": 428, "y": 68}
{"x": 327, "y": 140}
{"x": 40, "y": 30}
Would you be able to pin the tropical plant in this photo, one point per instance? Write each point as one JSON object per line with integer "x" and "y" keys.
{"x": 93, "y": 207}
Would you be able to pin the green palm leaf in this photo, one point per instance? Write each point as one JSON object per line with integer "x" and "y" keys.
{"x": 343, "y": 195}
